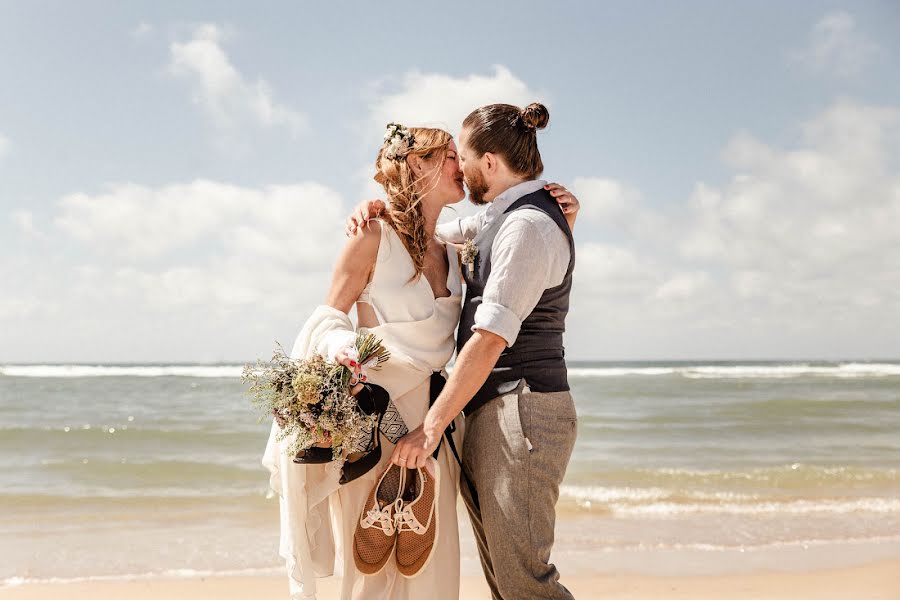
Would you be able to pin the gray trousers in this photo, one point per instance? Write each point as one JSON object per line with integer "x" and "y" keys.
{"x": 516, "y": 450}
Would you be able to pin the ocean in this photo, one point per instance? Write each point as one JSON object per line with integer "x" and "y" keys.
{"x": 154, "y": 470}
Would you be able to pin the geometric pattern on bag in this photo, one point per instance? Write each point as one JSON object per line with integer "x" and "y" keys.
{"x": 392, "y": 425}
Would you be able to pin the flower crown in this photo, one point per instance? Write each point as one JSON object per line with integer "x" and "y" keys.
{"x": 398, "y": 141}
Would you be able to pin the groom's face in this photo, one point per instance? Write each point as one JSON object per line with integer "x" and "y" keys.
{"x": 472, "y": 172}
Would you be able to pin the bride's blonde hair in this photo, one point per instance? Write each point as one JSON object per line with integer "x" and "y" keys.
{"x": 392, "y": 171}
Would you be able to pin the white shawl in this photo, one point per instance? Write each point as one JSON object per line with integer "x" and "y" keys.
{"x": 307, "y": 541}
{"x": 307, "y": 537}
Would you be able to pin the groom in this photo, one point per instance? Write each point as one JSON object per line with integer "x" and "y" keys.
{"x": 510, "y": 376}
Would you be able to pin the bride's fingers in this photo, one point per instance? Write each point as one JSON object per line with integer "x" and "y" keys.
{"x": 352, "y": 225}
{"x": 567, "y": 201}
{"x": 395, "y": 455}
{"x": 421, "y": 459}
{"x": 342, "y": 359}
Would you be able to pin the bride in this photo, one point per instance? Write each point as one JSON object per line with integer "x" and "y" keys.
{"x": 394, "y": 530}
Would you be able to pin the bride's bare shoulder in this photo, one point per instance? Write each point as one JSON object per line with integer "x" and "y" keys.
{"x": 365, "y": 240}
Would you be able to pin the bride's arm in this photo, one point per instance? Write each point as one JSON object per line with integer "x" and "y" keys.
{"x": 350, "y": 276}
{"x": 353, "y": 268}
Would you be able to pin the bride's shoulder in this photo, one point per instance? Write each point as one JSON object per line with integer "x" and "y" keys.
{"x": 365, "y": 241}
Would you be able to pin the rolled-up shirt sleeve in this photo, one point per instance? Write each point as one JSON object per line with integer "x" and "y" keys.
{"x": 529, "y": 255}
{"x": 460, "y": 229}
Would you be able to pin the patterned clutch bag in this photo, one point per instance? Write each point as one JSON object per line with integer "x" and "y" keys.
{"x": 392, "y": 425}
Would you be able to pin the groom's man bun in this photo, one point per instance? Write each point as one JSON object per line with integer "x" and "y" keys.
{"x": 510, "y": 132}
{"x": 535, "y": 116}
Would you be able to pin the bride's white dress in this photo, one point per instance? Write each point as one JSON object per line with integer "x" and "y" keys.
{"x": 418, "y": 329}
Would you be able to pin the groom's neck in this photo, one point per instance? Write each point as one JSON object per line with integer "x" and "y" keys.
{"x": 503, "y": 184}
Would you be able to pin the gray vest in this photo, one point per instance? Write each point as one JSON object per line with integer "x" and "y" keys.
{"x": 537, "y": 355}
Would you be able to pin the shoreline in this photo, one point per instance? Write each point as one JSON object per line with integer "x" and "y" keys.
{"x": 874, "y": 581}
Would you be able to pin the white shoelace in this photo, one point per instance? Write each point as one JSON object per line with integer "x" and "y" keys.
{"x": 407, "y": 521}
{"x": 380, "y": 518}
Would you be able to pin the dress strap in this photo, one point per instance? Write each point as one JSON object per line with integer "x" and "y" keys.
{"x": 365, "y": 296}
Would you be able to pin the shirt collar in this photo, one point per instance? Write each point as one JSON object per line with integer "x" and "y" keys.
{"x": 505, "y": 199}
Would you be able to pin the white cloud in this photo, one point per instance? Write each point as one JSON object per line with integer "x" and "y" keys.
{"x": 224, "y": 94}
{"x": 796, "y": 254}
{"x": 831, "y": 200}
{"x": 202, "y": 270}
{"x": 4, "y": 146}
{"x": 683, "y": 286}
{"x": 837, "y": 47}
{"x": 209, "y": 244}
{"x": 440, "y": 100}
{"x": 283, "y": 223}
{"x": 603, "y": 199}
{"x": 24, "y": 222}
{"x": 615, "y": 208}
{"x": 799, "y": 253}
{"x": 142, "y": 31}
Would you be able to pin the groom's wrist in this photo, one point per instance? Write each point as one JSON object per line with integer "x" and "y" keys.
{"x": 432, "y": 426}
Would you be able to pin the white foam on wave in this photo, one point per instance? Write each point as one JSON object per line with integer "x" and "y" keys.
{"x": 620, "y": 371}
{"x": 793, "y": 507}
{"x": 778, "y": 472}
{"x": 209, "y": 371}
{"x": 844, "y": 370}
{"x": 663, "y": 502}
{"x": 603, "y": 494}
{"x": 804, "y": 543}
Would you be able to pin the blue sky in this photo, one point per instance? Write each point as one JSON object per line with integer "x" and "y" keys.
{"x": 173, "y": 176}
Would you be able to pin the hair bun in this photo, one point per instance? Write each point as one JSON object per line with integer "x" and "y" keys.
{"x": 535, "y": 116}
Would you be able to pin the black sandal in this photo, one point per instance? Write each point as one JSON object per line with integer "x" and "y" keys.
{"x": 372, "y": 399}
{"x": 314, "y": 456}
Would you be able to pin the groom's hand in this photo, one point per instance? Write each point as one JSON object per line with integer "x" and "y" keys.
{"x": 362, "y": 214}
{"x": 414, "y": 448}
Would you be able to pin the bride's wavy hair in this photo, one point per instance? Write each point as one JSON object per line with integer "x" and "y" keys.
{"x": 404, "y": 194}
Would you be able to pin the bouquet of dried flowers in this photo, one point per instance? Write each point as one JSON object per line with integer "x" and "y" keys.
{"x": 311, "y": 399}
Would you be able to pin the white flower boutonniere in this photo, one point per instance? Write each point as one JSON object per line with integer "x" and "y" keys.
{"x": 467, "y": 254}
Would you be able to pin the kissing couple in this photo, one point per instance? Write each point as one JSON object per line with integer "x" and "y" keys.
{"x": 501, "y": 428}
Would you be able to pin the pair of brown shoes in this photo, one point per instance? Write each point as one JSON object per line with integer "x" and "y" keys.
{"x": 401, "y": 513}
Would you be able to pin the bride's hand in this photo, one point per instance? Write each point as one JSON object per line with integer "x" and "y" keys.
{"x": 356, "y": 379}
{"x": 567, "y": 201}
{"x": 362, "y": 214}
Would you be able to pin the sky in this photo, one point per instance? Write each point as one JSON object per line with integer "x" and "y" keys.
{"x": 174, "y": 177}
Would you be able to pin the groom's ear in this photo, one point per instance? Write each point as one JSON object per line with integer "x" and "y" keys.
{"x": 490, "y": 162}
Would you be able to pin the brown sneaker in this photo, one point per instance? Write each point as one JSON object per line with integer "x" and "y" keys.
{"x": 376, "y": 533}
{"x": 417, "y": 520}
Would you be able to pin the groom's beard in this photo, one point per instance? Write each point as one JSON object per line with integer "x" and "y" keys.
{"x": 477, "y": 188}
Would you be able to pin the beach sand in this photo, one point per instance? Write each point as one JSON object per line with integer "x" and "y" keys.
{"x": 877, "y": 581}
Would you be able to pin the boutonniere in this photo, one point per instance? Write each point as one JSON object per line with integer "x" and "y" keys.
{"x": 468, "y": 254}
